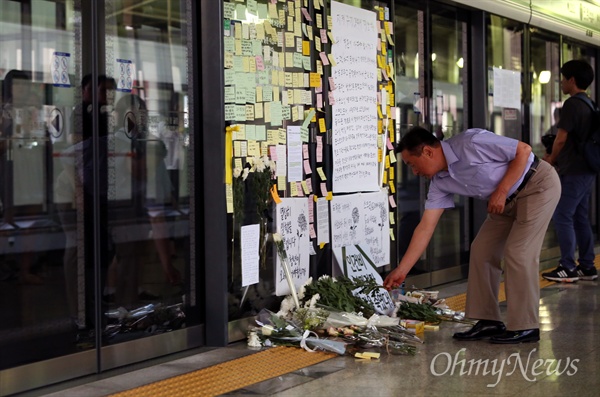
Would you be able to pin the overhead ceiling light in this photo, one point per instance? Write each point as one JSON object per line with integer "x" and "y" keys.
{"x": 544, "y": 76}
{"x": 460, "y": 63}
{"x": 433, "y": 57}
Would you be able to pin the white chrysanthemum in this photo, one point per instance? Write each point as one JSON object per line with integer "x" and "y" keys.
{"x": 277, "y": 237}
{"x": 237, "y": 171}
{"x": 286, "y": 307}
{"x": 313, "y": 301}
{"x": 245, "y": 173}
{"x": 324, "y": 277}
{"x": 266, "y": 161}
{"x": 259, "y": 164}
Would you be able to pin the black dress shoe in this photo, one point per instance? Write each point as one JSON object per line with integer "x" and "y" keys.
{"x": 522, "y": 336}
{"x": 483, "y": 329}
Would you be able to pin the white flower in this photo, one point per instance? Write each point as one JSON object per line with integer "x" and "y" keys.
{"x": 237, "y": 171}
{"x": 258, "y": 164}
{"x": 313, "y": 301}
{"x": 286, "y": 308}
{"x": 245, "y": 173}
{"x": 277, "y": 237}
{"x": 253, "y": 340}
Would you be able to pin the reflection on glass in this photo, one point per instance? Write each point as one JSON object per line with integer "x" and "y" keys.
{"x": 47, "y": 167}
{"x": 504, "y": 43}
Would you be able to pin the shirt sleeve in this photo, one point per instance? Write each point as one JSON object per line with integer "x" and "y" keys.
{"x": 437, "y": 199}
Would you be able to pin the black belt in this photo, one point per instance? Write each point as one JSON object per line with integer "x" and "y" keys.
{"x": 528, "y": 175}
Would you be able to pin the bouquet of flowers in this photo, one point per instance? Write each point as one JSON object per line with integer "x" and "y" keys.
{"x": 276, "y": 331}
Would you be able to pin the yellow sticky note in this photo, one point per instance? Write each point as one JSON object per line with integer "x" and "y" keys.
{"x": 392, "y": 218}
{"x": 329, "y": 196}
{"x": 331, "y": 60}
{"x": 305, "y": 187}
{"x": 229, "y": 197}
{"x": 321, "y": 173}
{"x": 379, "y": 155}
{"x": 306, "y": 47}
{"x": 391, "y": 173}
{"x": 281, "y": 182}
{"x": 392, "y": 157}
{"x": 392, "y": 186}
{"x": 315, "y": 80}
{"x": 322, "y": 125}
{"x": 293, "y": 189}
{"x": 387, "y": 161}
{"x": 321, "y": 245}
{"x": 392, "y": 235}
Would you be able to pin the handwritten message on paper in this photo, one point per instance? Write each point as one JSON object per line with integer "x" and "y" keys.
{"x": 292, "y": 223}
{"x": 376, "y": 216}
{"x": 354, "y": 128}
{"x": 347, "y": 221}
{"x": 249, "y": 244}
{"x": 353, "y": 261}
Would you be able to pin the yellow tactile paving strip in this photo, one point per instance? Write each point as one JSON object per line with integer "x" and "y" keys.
{"x": 232, "y": 375}
{"x": 458, "y": 302}
{"x": 237, "y": 374}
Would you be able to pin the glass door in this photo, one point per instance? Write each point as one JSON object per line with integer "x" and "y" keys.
{"x": 430, "y": 59}
{"x": 95, "y": 187}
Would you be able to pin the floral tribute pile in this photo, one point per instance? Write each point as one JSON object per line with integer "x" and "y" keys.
{"x": 330, "y": 316}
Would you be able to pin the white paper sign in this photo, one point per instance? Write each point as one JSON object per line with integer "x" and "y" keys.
{"x": 507, "y": 88}
{"x": 347, "y": 221}
{"x": 354, "y": 261}
{"x": 294, "y": 152}
{"x": 322, "y": 220}
{"x": 377, "y": 235}
{"x": 250, "y": 236}
{"x": 60, "y": 69}
{"x": 354, "y": 129}
{"x": 125, "y": 75}
{"x": 292, "y": 224}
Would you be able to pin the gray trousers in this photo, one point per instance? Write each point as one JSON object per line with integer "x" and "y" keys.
{"x": 516, "y": 236}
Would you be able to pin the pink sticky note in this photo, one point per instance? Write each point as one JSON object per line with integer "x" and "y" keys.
{"x": 305, "y": 150}
{"x": 323, "y": 36}
{"x": 311, "y": 208}
{"x": 312, "y": 231}
{"x": 324, "y": 190}
{"x": 306, "y": 14}
{"x": 300, "y": 190}
{"x": 319, "y": 103}
{"x": 389, "y": 144}
{"x": 259, "y": 63}
{"x": 309, "y": 185}
{"x": 273, "y": 152}
{"x": 331, "y": 84}
{"x": 324, "y": 58}
{"x": 307, "y": 169}
{"x": 392, "y": 201}
{"x": 319, "y": 149}
{"x": 331, "y": 98}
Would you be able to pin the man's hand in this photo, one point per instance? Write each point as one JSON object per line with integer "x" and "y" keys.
{"x": 394, "y": 279}
{"x": 497, "y": 202}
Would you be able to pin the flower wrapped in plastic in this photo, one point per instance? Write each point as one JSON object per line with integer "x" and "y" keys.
{"x": 274, "y": 330}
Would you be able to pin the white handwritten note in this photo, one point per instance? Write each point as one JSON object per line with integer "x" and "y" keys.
{"x": 376, "y": 216}
{"x": 347, "y": 221}
{"x": 354, "y": 127}
{"x": 323, "y": 220}
{"x": 507, "y": 88}
{"x": 249, "y": 245}
{"x": 294, "y": 152}
{"x": 292, "y": 224}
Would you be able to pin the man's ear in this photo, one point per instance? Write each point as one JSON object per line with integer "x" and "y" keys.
{"x": 428, "y": 151}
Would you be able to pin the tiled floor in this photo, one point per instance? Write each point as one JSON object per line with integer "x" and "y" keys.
{"x": 564, "y": 362}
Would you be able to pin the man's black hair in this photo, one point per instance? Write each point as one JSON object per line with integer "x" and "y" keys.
{"x": 415, "y": 139}
{"x": 580, "y": 70}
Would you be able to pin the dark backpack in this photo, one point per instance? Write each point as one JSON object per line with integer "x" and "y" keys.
{"x": 590, "y": 146}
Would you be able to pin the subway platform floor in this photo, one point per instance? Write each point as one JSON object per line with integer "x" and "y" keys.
{"x": 564, "y": 362}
